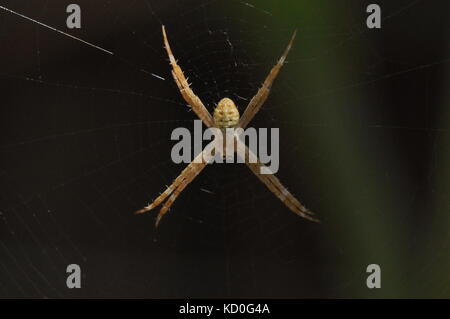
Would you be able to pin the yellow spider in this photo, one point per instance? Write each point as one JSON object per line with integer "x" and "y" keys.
{"x": 226, "y": 115}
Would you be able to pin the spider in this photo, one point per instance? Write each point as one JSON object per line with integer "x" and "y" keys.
{"x": 226, "y": 115}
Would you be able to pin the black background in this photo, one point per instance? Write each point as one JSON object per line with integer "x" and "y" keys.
{"x": 85, "y": 142}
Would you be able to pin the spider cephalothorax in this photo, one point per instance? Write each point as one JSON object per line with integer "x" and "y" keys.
{"x": 226, "y": 114}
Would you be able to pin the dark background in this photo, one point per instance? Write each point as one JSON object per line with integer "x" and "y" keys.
{"x": 364, "y": 142}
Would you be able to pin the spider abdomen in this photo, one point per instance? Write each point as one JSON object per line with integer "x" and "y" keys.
{"x": 226, "y": 114}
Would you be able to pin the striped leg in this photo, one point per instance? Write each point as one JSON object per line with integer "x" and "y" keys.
{"x": 186, "y": 176}
{"x": 166, "y": 206}
{"x": 189, "y": 173}
{"x": 189, "y": 96}
{"x": 274, "y": 184}
{"x": 258, "y": 100}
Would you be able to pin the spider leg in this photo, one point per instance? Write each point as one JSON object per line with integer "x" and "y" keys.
{"x": 166, "y": 206}
{"x": 178, "y": 185}
{"x": 274, "y": 184}
{"x": 195, "y": 165}
{"x": 258, "y": 100}
{"x": 184, "y": 87}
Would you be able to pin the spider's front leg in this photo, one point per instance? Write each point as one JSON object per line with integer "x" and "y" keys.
{"x": 189, "y": 96}
{"x": 260, "y": 97}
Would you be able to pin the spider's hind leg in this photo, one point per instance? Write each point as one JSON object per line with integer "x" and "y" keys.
{"x": 166, "y": 206}
{"x": 186, "y": 176}
{"x": 158, "y": 200}
{"x": 180, "y": 187}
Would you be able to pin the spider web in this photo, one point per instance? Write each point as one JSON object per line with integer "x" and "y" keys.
{"x": 86, "y": 142}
